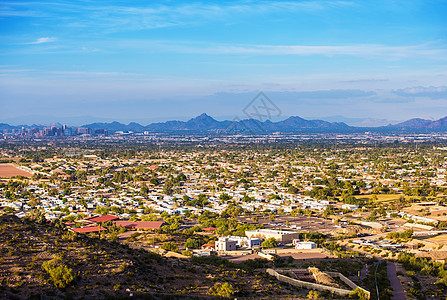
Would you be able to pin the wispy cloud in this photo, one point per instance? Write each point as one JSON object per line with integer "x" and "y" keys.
{"x": 137, "y": 17}
{"x": 42, "y": 40}
{"x": 426, "y": 50}
{"x": 70, "y": 74}
{"x": 349, "y": 50}
{"x": 433, "y": 92}
{"x": 364, "y": 80}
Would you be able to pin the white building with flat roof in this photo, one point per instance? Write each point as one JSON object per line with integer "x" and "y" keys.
{"x": 243, "y": 241}
{"x": 225, "y": 244}
{"x": 280, "y": 235}
{"x": 303, "y": 245}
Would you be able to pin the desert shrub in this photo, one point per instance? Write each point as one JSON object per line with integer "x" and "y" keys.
{"x": 313, "y": 294}
{"x": 359, "y": 293}
{"x": 222, "y": 290}
{"x": 60, "y": 275}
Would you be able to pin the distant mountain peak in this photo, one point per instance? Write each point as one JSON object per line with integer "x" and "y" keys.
{"x": 423, "y": 124}
{"x": 294, "y": 124}
{"x": 203, "y": 116}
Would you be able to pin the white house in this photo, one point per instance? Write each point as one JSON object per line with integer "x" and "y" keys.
{"x": 225, "y": 244}
{"x": 303, "y": 245}
{"x": 350, "y": 206}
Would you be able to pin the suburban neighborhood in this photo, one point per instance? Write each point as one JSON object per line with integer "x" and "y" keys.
{"x": 309, "y": 203}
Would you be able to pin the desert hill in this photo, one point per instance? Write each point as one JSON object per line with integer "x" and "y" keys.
{"x": 44, "y": 260}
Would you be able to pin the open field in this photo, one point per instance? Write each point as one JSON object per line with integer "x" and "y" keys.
{"x": 439, "y": 238}
{"x": 380, "y": 197}
{"x": 8, "y": 170}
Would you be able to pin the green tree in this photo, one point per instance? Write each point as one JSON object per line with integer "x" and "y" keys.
{"x": 174, "y": 226}
{"x": 225, "y": 197}
{"x": 144, "y": 190}
{"x": 192, "y": 243}
{"x": 53, "y": 192}
{"x": 167, "y": 188}
{"x": 170, "y": 246}
{"x": 222, "y": 290}
{"x": 292, "y": 190}
{"x": 269, "y": 243}
{"x": 83, "y": 202}
{"x": 60, "y": 275}
{"x": 9, "y": 210}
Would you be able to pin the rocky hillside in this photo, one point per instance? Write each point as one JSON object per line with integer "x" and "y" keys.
{"x": 44, "y": 260}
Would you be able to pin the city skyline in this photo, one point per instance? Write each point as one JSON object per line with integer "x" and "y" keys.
{"x": 131, "y": 61}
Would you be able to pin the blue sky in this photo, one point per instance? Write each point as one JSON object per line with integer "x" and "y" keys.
{"x": 158, "y": 60}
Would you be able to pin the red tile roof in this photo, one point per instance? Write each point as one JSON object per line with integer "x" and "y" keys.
{"x": 139, "y": 224}
{"x": 88, "y": 229}
{"x": 210, "y": 229}
{"x": 104, "y": 218}
{"x": 208, "y": 246}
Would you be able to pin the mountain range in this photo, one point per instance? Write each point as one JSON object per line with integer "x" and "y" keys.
{"x": 206, "y": 124}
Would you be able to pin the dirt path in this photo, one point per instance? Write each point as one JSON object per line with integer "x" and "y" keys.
{"x": 398, "y": 292}
{"x": 364, "y": 271}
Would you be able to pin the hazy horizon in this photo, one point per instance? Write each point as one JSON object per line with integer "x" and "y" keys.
{"x": 85, "y": 120}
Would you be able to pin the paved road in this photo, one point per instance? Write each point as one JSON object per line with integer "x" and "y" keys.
{"x": 398, "y": 292}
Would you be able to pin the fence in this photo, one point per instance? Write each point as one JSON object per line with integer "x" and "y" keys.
{"x": 316, "y": 286}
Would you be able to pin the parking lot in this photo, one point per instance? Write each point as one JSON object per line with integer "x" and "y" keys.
{"x": 298, "y": 223}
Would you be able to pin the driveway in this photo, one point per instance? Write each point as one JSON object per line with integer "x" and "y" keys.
{"x": 398, "y": 291}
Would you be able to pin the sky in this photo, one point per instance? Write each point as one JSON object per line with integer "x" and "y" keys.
{"x": 364, "y": 62}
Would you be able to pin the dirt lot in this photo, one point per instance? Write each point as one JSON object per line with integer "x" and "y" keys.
{"x": 306, "y": 256}
{"x": 306, "y": 223}
{"x": 8, "y": 170}
{"x": 296, "y": 254}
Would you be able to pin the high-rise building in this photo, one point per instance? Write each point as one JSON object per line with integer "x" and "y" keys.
{"x": 101, "y": 131}
{"x": 47, "y": 131}
{"x": 84, "y": 130}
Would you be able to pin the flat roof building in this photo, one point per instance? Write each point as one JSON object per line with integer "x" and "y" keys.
{"x": 225, "y": 244}
{"x": 280, "y": 235}
{"x": 304, "y": 245}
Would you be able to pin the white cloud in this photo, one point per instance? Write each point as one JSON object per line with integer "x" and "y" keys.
{"x": 43, "y": 40}
{"x": 426, "y": 50}
{"x": 350, "y": 50}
